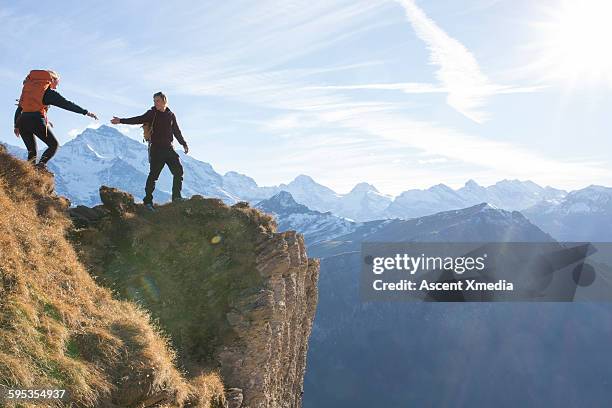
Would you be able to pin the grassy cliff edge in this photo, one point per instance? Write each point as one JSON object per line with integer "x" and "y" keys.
{"x": 197, "y": 304}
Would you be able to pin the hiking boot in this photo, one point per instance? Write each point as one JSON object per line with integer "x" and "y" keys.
{"x": 178, "y": 199}
{"x": 149, "y": 206}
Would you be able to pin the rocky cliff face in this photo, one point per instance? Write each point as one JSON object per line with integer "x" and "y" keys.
{"x": 233, "y": 294}
{"x": 273, "y": 326}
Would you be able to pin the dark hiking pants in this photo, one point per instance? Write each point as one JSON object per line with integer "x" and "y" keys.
{"x": 158, "y": 157}
{"x": 33, "y": 124}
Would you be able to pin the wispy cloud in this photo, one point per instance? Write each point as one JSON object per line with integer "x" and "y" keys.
{"x": 459, "y": 73}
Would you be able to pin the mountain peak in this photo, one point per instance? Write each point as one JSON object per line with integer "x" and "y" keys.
{"x": 596, "y": 187}
{"x": 484, "y": 206}
{"x": 106, "y": 128}
{"x": 471, "y": 184}
{"x": 487, "y": 206}
{"x": 103, "y": 135}
{"x": 517, "y": 182}
{"x": 106, "y": 141}
{"x": 284, "y": 198}
{"x": 303, "y": 179}
{"x": 362, "y": 188}
{"x": 102, "y": 130}
{"x": 309, "y": 192}
{"x": 282, "y": 202}
{"x": 440, "y": 187}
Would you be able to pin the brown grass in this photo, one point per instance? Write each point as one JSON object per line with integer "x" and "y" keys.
{"x": 58, "y": 328}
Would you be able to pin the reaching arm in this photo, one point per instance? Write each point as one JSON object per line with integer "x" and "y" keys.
{"x": 138, "y": 120}
{"x": 52, "y": 97}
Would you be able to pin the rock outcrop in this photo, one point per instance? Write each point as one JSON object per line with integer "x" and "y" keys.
{"x": 194, "y": 305}
{"x": 232, "y": 293}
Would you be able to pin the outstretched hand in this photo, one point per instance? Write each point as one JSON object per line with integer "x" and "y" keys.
{"x": 115, "y": 120}
{"x": 186, "y": 148}
{"x": 16, "y": 130}
{"x": 92, "y": 115}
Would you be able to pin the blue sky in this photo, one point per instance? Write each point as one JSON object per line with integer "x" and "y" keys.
{"x": 401, "y": 94}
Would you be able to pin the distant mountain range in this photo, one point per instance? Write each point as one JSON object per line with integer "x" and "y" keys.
{"x": 507, "y": 194}
{"x": 106, "y": 156}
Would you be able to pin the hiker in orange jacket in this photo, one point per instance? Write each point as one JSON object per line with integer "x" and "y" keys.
{"x": 164, "y": 129}
{"x": 31, "y": 114}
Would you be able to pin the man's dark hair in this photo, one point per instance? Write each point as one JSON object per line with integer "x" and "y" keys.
{"x": 161, "y": 95}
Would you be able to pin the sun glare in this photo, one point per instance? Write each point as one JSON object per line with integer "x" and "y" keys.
{"x": 574, "y": 41}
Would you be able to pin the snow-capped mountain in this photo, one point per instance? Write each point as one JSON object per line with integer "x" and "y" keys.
{"x": 312, "y": 194}
{"x": 416, "y": 203}
{"x": 246, "y": 188}
{"x": 364, "y": 203}
{"x": 510, "y": 194}
{"x": 582, "y": 215}
{"x": 315, "y": 225}
{"x": 507, "y": 194}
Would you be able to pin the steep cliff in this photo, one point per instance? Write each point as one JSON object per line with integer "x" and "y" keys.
{"x": 232, "y": 298}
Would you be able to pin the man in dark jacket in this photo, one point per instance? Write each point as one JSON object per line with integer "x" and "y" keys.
{"x": 165, "y": 129}
{"x": 31, "y": 113}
